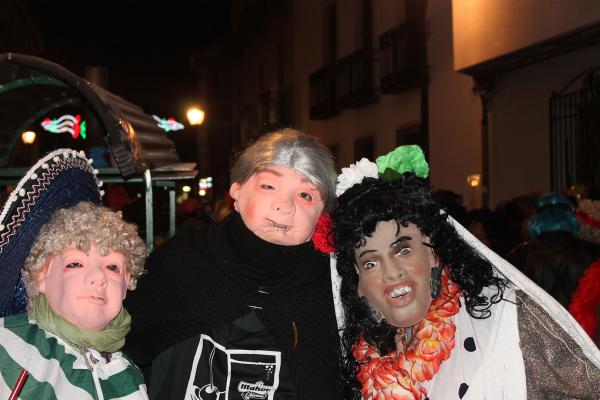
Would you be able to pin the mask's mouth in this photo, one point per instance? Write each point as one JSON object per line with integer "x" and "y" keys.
{"x": 279, "y": 227}
{"x": 92, "y": 298}
{"x": 401, "y": 291}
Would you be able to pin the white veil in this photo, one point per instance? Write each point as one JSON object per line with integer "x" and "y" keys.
{"x": 554, "y": 309}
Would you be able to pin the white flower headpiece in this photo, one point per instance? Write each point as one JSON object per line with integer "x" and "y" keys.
{"x": 354, "y": 174}
{"x": 407, "y": 158}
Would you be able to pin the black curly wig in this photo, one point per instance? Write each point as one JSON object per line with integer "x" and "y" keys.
{"x": 405, "y": 200}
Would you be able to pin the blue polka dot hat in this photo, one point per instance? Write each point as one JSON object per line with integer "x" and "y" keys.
{"x": 61, "y": 179}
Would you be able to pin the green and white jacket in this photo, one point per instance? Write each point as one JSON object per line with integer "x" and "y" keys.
{"x": 58, "y": 371}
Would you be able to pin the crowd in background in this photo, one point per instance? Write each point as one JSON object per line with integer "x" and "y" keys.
{"x": 553, "y": 238}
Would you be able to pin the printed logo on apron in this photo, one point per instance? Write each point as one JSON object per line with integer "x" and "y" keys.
{"x": 234, "y": 374}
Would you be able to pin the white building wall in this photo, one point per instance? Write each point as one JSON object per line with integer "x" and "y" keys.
{"x": 308, "y": 53}
{"x": 387, "y": 14}
{"x": 484, "y": 30}
{"x": 461, "y": 34}
{"x": 519, "y": 131}
{"x": 454, "y": 113}
{"x": 348, "y": 26}
{"x": 379, "y": 120}
{"x": 520, "y": 125}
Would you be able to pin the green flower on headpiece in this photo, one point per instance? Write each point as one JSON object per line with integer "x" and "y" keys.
{"x": 403, "y": 159}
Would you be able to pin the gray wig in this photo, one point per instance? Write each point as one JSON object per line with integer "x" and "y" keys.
{"x": 78, "y": 227}
{"x": 293, "y": 149}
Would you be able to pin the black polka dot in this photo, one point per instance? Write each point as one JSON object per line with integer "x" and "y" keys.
{"x": 462, "y": 390}
{"x": 426, "y": 398}
{"x": 470, "y": 344}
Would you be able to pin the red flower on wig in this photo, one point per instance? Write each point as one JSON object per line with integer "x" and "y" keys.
{"x": 322, "y": 238}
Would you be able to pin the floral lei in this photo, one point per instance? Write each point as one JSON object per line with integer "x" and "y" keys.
{"x": 401, "y": 375}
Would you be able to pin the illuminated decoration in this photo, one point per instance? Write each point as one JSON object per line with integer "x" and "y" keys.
{"x": 28, "y": 137}
{"x": 205, "y": 183}
{"x": 186, "y": 189}
{"x": 168, "y": 124}
{"x": 474, "y": 180}
{"x": 67, "y": 123}
{"x": 195, "y": 116}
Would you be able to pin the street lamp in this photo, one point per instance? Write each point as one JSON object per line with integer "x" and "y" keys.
{"x": 474, "y": 180}
{"x": 195, "y": 116}
{"x": 28, "y": 137}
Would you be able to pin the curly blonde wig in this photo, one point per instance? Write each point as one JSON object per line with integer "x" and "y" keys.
{"x": 78, "y": 227}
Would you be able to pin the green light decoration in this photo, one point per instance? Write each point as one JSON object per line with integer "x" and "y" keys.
{"x": 66, "y": 124}
{"x": 168, "y": 124}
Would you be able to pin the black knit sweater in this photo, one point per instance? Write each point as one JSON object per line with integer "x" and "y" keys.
{"x": 204, "y": 279}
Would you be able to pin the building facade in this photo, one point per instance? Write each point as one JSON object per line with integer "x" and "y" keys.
{"x": 471, "y": 82}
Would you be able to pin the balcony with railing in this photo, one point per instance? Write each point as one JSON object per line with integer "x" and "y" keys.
{"x": 402, "y": 59}
{"x": 276, "y": 107}
{"x": 323, "y": 99}
{"x": 355, "y": 80}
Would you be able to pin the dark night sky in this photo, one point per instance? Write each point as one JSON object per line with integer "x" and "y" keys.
{"x": 146, "y": 47}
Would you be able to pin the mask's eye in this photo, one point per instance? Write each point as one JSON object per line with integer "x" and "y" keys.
{"x": 306, "y": 196}
{"x": 266, "y": 186}
{"x": 74, "y": 264}
{"x": 404, "y": 251}
{"x": 113, "y": 268}
{"x": 369, "y": 264}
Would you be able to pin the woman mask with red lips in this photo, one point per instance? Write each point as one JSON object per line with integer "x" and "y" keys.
{"x": 394, "y": 268}
{"x": 430, "y": 312}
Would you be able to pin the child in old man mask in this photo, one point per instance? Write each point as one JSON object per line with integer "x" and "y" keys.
{"x": 76, "y": 275}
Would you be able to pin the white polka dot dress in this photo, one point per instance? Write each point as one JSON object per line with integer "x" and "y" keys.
{"x": 456, "y": 373}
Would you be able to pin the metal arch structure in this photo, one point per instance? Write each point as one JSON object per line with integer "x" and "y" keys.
{"x": 32, "y": 87}
{"x": 137, "y": 143}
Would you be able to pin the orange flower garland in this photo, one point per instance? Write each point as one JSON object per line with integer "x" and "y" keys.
{"x": 399, "y": 376}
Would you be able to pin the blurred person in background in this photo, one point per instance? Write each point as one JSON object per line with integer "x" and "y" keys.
{"x": 585, "y": 301}
{"x": 486, "y": 226}
{"x": 223, "y": 208}
{"x": 588, "y": 216}
{"x": 451, "y": 202}
{"x": 555, "y": 257}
